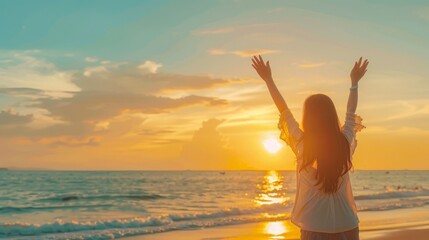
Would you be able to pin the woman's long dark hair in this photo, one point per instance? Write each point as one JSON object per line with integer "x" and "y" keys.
{"x": 324, "y": 142}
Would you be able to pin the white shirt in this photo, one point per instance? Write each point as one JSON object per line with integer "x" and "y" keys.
{"x": 315, "y": 210}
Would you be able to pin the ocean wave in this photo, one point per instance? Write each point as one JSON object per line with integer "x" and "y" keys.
{"x": 163, "y": 222}
{"x": 396, "y": 205}
{"x": 60, "y": 226}
{"x": 273, "y": 208}
{"x": 396, "y": 193}
{"x": 125, "y": 231}
{"x": 103, "y": 197}
{"x": 47, "y": 208}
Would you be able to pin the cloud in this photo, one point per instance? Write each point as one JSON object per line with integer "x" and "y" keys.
{"x": 214, "y": 31}
{"x": 242, "y": 53}
{"x": 11, "y": 117}
{"x": 22, "y": 92}
{"x": 26, "y": 71}
{"x": 104, "y": 94}
{"x": 91, "y": 142}
{"x": 129, "y": 79}
{"x": 87, "y": 114}
{"x": 96, "y": 106}
{"x": 97, "y": 110}
{"x": 411, "y": 109}
{"x": 72, "y": 130}
{"x": 154, "y": 132}
{"x": 94, "y": 70}
{"x": 207, "y": 149}
{"x": 404, "y": 113}
{"x": 150, "y": 66}
{"x": 91, "y": 59}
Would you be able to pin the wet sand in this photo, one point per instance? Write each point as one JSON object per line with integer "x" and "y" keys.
{"x": 280, "y": 230}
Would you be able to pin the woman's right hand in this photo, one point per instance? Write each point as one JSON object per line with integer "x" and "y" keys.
{"x": 264, "y": 70}
{"x": 358, "y": 71}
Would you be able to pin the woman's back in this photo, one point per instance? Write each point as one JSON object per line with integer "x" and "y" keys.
{"x": 314, "y": 210}
{"x": 317, "y": 211}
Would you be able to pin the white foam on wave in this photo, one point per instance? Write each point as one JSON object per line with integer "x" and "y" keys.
{"x": 60, "y": 226}
{"x": 397, "y": 205}
{"x": 115, "y": 233}
{"x": 144, "y": 225}
{"x": 396, "y": 193}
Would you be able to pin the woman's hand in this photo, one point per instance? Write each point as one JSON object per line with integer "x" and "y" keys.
{"x": 264, "y": 70}
{"x": 358, "y": 71}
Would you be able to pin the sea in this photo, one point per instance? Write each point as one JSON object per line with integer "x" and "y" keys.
{"x": 117, "y": 204}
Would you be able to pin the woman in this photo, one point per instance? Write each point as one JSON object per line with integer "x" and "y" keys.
{"x": 324, "y": 205}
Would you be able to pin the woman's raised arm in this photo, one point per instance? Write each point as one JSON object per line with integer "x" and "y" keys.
{"x": 288, "y": 126}
{"x": 264, "y": 71}
{"x": 352, "y": 123}
{"x": 356, "y": 74}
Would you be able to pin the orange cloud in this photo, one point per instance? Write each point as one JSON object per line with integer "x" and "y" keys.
{"x": 119, "y": 90}
{"x": 207, "y": 149}
{"x": 89, "y": 106}
{"x": 11, "y": 117}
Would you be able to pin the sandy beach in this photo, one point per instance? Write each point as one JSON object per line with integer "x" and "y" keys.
{"x": 392, "y": 225}
{"x": 279, "y": 230}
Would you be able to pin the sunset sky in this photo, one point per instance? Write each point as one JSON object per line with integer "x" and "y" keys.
{"x": 96, "y": 85}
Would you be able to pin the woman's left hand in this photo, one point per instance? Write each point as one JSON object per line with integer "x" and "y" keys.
{"x": 264, "y": 70}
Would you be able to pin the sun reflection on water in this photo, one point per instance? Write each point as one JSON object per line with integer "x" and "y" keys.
{"x": 272, "y": 189}
{"x": 275, "y": 229}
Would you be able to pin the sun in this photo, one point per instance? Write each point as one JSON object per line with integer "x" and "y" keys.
{"x": 272, "y": 145}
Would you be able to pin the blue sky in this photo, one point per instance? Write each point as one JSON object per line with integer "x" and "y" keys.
{"x": 162, "y": 30}
{"x": 72, "y": 74}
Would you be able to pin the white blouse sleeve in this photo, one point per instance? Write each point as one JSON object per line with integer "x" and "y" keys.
{"x": 352, "y": 125}
{"x": 289, "y": 130}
